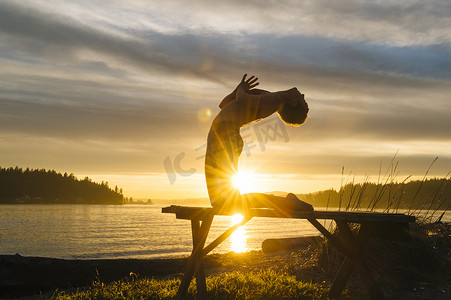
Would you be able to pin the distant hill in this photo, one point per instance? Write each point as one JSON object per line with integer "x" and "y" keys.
{"x": 41, "y": 186}
{"x": 429, "y": 194}
{"x": 277, "y": 193}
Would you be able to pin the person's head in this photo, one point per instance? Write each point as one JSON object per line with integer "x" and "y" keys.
{"x": 294, "y": 108}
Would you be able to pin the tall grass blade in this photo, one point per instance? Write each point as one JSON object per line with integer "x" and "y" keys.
{"x": 421, "y": 184}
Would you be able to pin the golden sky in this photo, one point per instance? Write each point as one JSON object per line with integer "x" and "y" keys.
{"x": 125, "y": 91}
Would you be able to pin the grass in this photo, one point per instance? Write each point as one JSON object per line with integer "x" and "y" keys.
{"x": 263, "y": 284}
{"x": 406, "y": 270}
{"x": 417, "y": 270}
{"x": 420, "y": 269}
{"x": 388, "y": 194}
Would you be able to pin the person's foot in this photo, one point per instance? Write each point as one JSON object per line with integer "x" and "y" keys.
{"x": 298, "y": 205}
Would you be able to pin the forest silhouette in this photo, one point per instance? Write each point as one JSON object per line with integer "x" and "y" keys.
{"x": 428, "y": 194}
{"x": 30, "y": 186}
{"x": 41, "y": 186}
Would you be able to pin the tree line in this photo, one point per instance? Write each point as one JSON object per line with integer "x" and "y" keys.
{"x": 431, "y": 194}
{"x": 41, "y": 186}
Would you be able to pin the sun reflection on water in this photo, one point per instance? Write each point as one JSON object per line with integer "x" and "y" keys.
{"x": 239, "y": 237}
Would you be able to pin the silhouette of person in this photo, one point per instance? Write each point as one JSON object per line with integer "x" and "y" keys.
{"x": 225, "y": 144}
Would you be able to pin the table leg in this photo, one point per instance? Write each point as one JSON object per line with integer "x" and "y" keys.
{"x": 341, "y": 279}
{"x": 364, "y": 271}
{"x": 352, "y": 250}
{"x": 345, "y": 273}
{"x": 357, "y": 244}
{"x": 199, "y": 267}
{"x": 194, "y": 264}
{"x": 347, "y": 267}
{"x": 334, "y": 240}
{"x": 368, "y": 281}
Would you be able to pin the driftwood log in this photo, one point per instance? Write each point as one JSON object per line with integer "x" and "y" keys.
{"x": 284, "y": 244}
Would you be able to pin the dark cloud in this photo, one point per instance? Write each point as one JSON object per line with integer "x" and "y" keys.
{"x": 371, "y": 73}
{"x": 387, "y": 23}
{"x": 97, "y": 121}
{"x": 346, "y": 56}
{"x": 49, "y": 36}
{"x": 45, "y": 37}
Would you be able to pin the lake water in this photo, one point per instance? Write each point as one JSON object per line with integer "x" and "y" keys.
{"x": 126, "y": 231}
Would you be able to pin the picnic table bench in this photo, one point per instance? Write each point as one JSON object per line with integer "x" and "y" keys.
{"x": 371, "y": 224}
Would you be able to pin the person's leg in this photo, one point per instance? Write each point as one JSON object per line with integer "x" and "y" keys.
{"x": 290, "y": 202}
{"x": 226, "y": 199}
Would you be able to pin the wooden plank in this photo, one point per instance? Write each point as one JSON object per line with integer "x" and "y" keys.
{"x": 353, "y": 217}
{"x": 224, "y": 236}
{"x": 190, "y": 213}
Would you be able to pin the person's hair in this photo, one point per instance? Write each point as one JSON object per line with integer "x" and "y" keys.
{"x": 293, "y": 115}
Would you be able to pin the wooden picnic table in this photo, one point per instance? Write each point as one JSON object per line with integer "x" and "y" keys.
{"x": 371, "y": 224}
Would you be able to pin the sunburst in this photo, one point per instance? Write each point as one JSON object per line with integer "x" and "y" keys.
{"x": 243, "y": 180}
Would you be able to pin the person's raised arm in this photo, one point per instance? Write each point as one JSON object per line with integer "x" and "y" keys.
{"x": 260, "y": 104}
{"x": 227, "y": 99}
{"x": 257, "y": 103}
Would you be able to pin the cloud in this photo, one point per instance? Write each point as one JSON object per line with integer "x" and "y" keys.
{"x": 401, "y": 23}
{"x": 47, "y": 35}
{"x": 89, "y": 77}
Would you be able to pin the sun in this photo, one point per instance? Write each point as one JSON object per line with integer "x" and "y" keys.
{"x": 243, "y": 180}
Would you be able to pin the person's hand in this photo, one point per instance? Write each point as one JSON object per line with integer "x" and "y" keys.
{"x": 244, "y": 86}
{"x": 247, "y": 84}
